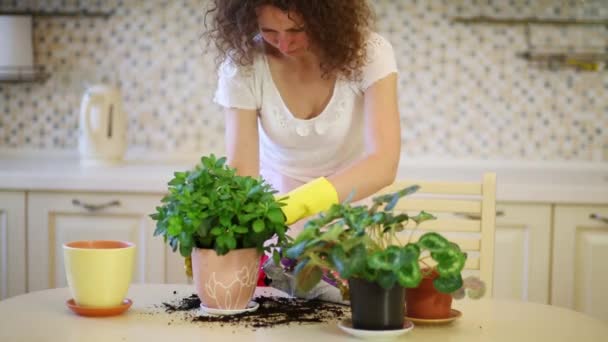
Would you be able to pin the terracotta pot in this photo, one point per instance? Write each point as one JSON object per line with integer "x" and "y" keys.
{"x": 228, "y": 281}
{"x": 426, "y": 302}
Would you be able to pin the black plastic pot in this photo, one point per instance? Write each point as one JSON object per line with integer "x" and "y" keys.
{"x": 375, "y": 308}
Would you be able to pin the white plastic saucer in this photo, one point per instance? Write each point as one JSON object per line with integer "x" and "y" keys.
{"x": 347, "y": 326}
{"x": 252, "y": 306}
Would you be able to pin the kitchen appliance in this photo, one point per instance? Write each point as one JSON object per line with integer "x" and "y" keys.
{"x": 103, "y": 126}
{"x": 16, "y": 47}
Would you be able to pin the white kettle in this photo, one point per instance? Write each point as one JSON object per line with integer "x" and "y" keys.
{"x": 103, "y": 126}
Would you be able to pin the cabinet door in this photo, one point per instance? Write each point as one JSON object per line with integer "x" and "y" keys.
{"x": 56, "y": 218}
{"x": 580, "y": 254}
{"x": 12, "y": 244}
{"x": 522, "y": 252}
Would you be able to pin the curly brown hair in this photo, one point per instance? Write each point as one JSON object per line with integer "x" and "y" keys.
{"x": 338, "y": 27}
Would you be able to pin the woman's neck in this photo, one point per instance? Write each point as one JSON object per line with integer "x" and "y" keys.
{"x": 305, "y": 61}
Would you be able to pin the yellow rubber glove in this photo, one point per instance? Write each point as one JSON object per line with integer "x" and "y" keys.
{"x": 309, "y": 199}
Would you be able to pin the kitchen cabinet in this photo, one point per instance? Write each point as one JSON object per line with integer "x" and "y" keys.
{"x": 580, "y": 254}
{"x": 12, "y": 243}
{"x": 56, "y": 217}
{"x": 522, "y": 252}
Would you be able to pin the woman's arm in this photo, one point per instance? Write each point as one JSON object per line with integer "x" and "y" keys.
{"x": 242, "y": 145}
{"x": 378, "y": 167}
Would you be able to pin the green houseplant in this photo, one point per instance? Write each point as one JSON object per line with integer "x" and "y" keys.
{"x": 220, "y": 220}
{"x": 361, "y": 245}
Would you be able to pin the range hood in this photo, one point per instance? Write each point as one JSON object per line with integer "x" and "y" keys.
{"x": 16, "y": 52}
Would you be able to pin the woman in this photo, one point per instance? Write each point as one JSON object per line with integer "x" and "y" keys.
{"x": 310, "y": 97}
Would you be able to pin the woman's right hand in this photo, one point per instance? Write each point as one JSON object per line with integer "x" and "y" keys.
{"x": 309, "y": 199}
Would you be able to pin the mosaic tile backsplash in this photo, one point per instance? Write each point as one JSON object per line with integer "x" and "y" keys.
{"x": 463, "y": 93}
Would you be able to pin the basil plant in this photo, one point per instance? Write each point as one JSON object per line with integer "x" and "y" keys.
{"x": 212, "y": 207}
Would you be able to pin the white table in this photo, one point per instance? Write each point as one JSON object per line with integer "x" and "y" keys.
{"x": 43, "y": 316}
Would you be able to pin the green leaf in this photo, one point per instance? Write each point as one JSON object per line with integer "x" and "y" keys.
{"x": 391, "y": 205}
{"x": 220, "y": 242}
{"x": 179, "y": 178}
{"x": 276, "y": 215}
{"x": 240, "y": 229}
{"x": 410, "y": 253}
{"x": 448, "y": 284}
{"x": 160, "y": 229}
{"x": 276, "y": 257}
{"x": 379, "y": 217}
{"x": 254, "y": 191}
{"x": 339, "y": 259}
{"x": 401, "y": 193}
{"x": 351, "y": 243}
{"x": 220, "y": 162}
{"x": 244, "y": 218}
{"x": 376, "y": 261}
{"x": 217, "y": 231}
{"x": 249, "y": 207}
{"x": 308, "y": 277}
{"x": 332, "y": 234}
{"x": 230, "y": 241}
{"x": 386, "y": 279}
{"x": 390, "y": 259}
{"x": 186, "y": 239}
{"x": 433, "y": 242}
{"x": 185, "y": 244}
{"x": 410, "y": 275}
{"x": 173, "y": 243}
{"x": 258, "y": 226}
{"x": 450, "y": 261}
{"x": 203, "y": 228}
{"x": 423, "y": 216}
{"x": 226, "y": 220}
{"x": 295, "y": 251}
{"x": 305, "y": 235}
{"x": 174, "y": 229}
{"x": 300, "y": 266}
{"x": 357, "y": 259}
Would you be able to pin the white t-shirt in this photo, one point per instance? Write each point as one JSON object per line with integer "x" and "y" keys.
{"x": 294, "y": 151}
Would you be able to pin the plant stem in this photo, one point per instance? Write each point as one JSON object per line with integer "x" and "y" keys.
{"x": 425, "y": 264}
{"x": 409, "y": 238}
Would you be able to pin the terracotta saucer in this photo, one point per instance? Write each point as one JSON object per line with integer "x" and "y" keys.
{"x": 99, "y": 312}
{"x": 454, "y": 315}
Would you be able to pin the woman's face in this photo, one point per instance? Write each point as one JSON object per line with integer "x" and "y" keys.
{"x": 283, "y": 30}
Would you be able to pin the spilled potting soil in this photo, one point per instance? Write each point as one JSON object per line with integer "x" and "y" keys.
{"x": 273, "y": 311}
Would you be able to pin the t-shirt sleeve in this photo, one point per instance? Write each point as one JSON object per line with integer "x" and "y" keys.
{"x": 236, "y": 86}
{"x": 380, "y": 61}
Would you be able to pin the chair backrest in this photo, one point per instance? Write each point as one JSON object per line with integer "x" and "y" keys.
{"x": 466, "y": 215}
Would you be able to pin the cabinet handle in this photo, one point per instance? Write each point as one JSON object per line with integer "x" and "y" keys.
{"x": 95, "y": 207}
{"x": 599, "y": 217}
{"x": 478, "y": 216}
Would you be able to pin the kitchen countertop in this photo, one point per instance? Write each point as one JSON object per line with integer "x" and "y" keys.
{"x": 563, "y": 182}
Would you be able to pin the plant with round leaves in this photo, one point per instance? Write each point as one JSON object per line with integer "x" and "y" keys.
{"x": 362, "y": 242}
{"x": 212, "y": 207}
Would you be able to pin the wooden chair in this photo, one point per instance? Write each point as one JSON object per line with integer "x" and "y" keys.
{"x": 466, "y": 215}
